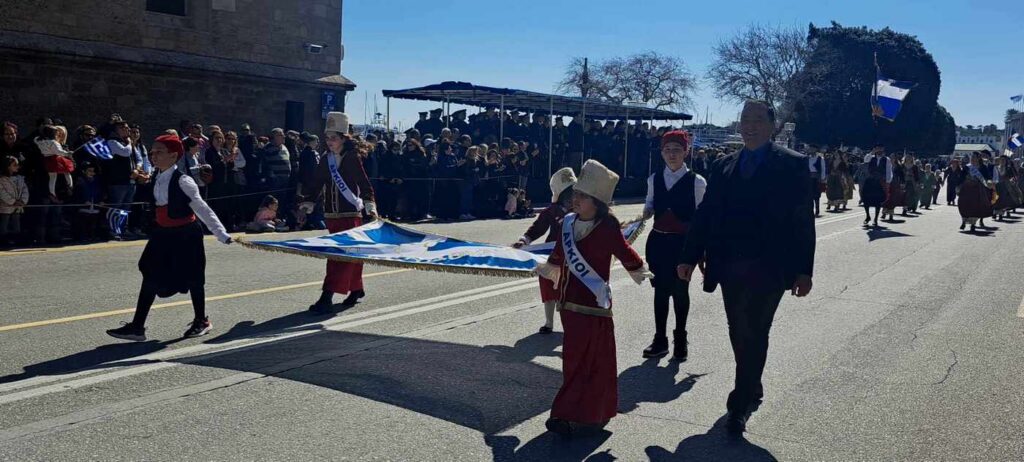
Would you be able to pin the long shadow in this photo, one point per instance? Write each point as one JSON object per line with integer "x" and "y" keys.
{"x": 480, "y": 388}
{"x": 715, "y": 445}
{"x": 283, "y": 324}
{"x": 648, "y": 383}
{"x": 875, "y": 234}
{"x": 978, "y": 233}
{"x": 91, "y": 359}
{"x": 528, "y": 348}
{"x": 549, "y": 447}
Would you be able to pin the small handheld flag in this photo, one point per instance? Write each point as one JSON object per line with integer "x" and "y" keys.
{"x": 116, "y": 220}
{"x": 98, "y": 148}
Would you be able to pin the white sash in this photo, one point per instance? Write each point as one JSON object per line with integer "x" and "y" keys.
{"x": 347, "y": 193}
{"x": 580, "y": 268}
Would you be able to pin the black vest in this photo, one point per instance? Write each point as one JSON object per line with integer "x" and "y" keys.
{"x": 177, "y": 201}
{"x": 679, "y": 199}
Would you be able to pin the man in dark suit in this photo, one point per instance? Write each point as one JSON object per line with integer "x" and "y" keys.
{"x": 755, "y": 230}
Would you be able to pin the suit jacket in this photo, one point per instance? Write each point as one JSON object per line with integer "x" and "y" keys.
{"x": 789, "y": 235}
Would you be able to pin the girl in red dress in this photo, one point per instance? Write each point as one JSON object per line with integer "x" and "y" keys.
{"x": 580, "y": 267}
{"x": 550, "y": 221}
{"x": 343, "y": 209}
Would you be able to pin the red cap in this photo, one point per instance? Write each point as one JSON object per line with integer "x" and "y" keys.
{"x": 173, "y": 144}
{"x": 676, "y": 136}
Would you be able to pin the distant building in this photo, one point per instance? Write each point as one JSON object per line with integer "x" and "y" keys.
{"x": 994, "y": 141}
{"x": 965, "y": 149}
{"x": 158, "y": 62}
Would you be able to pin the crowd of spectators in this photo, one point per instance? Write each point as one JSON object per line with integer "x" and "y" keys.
{"x": 53, "y": 190}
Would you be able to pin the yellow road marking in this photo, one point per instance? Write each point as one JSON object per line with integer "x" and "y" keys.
{"x": 104, "y": 314}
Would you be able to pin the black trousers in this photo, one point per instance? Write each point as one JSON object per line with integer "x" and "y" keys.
{"x": 750, "y": 313}
{"x": 950, "y": 194}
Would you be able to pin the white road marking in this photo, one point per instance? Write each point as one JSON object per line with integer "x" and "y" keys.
{"x": 1020, "y": 310}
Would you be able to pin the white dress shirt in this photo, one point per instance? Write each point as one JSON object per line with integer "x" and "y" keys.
{"x": 198, "y": 205}
{"x": 888, "y": 166}
{"x": 671, "y": 178}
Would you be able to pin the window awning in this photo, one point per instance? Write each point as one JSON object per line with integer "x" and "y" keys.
{"x": 466, "y": 93}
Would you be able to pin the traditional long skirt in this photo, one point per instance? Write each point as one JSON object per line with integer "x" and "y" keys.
{"x": 1005, "y": 199}
{"x": 847, "y": 188}
{"x": 174, "y": 259}
{"x": 590, "y": 387}
{"x": 913, "y": 195}
{"x": 872, "y": 193}
{"x": 975, "y": 199}
{"x": 835, "y": 190}
{"x": 343, "y": 277}
{"x": 897, "y": 197}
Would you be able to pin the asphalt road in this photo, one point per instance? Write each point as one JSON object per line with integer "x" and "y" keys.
{"x": 907, "y": 349}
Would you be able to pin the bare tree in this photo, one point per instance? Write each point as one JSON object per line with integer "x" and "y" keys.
{"x": 760, "y": 62}
{"x": 659, "y": 81}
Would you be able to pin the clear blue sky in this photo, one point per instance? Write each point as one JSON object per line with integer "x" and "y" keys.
{"x": 394, "y": 44}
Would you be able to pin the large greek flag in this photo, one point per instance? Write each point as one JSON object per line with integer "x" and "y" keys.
{"x": 888, "y": 97}
{"x": 387, "y": 244}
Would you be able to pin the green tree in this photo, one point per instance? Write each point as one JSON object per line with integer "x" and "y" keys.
{"x": 835, "y": 106}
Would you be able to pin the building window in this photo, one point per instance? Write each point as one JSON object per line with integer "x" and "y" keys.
{"x": 175, "y": 7}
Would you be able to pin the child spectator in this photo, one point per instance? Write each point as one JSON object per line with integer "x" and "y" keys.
{"x": 13, "y": 197}
{"x": 266, "y": 217}
{"x": 87, "y": 191}
{"x": 58, "y": 160}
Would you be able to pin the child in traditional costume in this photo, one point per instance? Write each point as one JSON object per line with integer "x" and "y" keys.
{"x": 976, "y": 194}
{"x": 174, "y": 260}
{"x": 673, "y": 196}
{"x": 550, "y": 221}
{"x": 341, "y": 182}
{"x": 580, "y": 267}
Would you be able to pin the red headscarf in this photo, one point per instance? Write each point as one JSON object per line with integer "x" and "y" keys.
{"x": 676, "y": 136}
{"x": 173, "y": 144}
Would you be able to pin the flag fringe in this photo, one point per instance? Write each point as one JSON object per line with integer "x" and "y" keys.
{"x": 411, "y": 265}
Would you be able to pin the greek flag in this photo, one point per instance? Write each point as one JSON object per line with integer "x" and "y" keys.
{"x": 387, "y": 244}
{"x": 888, "y": 97}
{"x": 98, "y": 148}
{"x": 116, "y": 220}
{"x": 1015, "y": 141}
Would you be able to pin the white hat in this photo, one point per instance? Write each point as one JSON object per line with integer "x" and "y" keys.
{"x": 337, "y": 122}
{"x": 560, "y": 181}
{"x": 597, "y": 181}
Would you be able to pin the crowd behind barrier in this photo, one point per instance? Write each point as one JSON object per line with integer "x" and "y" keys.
{"x": 55, "y": 190}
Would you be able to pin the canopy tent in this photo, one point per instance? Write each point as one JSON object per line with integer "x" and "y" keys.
{"x": 476, "y": 95}
{"x": 501, "y": 98}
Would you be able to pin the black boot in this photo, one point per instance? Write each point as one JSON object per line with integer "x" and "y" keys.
{"x": 679, "y": 350}
{"x": 658, "y": 348}
{"x": 324, "y": 305}
{"x": 353, "y": 298}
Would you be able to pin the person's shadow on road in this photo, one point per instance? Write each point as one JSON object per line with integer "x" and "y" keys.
{"x": 97, "y": 358}
{"x": 715, "y": 445}
{"x": 528, "y": 348}
{"x": 884, "y": 233}
{"x": 549, "y": 447}
{"x": 648, "y": 383}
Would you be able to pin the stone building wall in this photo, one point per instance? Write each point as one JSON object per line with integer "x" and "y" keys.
{"x": 261, "y": 31}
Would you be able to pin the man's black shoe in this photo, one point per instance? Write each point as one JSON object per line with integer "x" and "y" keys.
{"x": 658, "y": 348}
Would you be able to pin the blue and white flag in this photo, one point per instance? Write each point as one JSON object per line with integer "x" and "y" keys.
{"x": 1015, "y": 141}
{"x": 1017, "y": 99}
{"x": 98, "y": 148}
{"x": 387, "y": 244}
{"x": 116, "y": 220}
{"x": 888, "y": 97}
